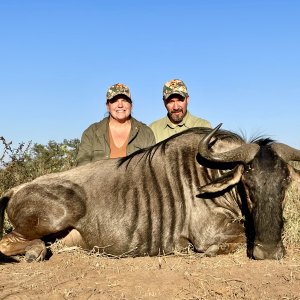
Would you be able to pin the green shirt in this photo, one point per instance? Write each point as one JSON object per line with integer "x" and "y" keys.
{"x": 164, "y": 128}
{"x": 94, "y": 143}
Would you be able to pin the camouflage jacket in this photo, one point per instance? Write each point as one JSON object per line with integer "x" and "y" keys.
{"x": 95, "y": 141}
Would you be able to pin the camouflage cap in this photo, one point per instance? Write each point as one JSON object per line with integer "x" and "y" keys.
{"x": 118, "y": 89}
{"x": 174, "y": 86}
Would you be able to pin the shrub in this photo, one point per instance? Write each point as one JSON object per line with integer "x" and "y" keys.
{"x": 26, "y": 162}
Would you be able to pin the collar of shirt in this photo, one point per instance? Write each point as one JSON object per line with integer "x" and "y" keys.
{"x": 184, "y": 122}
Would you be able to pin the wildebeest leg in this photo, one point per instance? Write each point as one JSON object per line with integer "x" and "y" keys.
{"x": 39, "y": 211}
{"x": 74, "y": 238}
{"x": 15, "y": 243}
{"x": 232, "y": 245}
{"x": 224, "y": 248}
{"x": 219, "y": 236}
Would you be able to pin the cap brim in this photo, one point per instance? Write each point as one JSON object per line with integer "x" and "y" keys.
{"x": 184, "y": 95}
{"x": 120, "y": 94}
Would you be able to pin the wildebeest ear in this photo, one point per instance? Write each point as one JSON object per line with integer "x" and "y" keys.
{"x": 228, "y": 179}
{"x": 294, "y": 173}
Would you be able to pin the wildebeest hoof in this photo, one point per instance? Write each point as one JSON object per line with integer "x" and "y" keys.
{"x": 36, "y": 251}
{"x": 212, "y": 251}
{"x": 32, "y": 255}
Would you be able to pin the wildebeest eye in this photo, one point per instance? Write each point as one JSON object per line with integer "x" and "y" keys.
{"x": 248, "y": 168}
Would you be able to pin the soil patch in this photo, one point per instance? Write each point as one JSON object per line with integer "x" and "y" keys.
{"x": 74, "y": 274}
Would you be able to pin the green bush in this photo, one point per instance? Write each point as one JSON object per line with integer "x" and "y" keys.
{"x": 26, "y": 162}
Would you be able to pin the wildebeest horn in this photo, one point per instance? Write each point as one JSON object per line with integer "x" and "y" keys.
{"x": 244, "y": 153}
{"x": 286, "y": 152}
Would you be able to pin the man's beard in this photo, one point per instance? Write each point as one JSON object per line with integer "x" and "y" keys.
{"x": 176, "y": 118}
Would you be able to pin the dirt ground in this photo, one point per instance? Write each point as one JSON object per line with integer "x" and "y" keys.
{"x": 74, "y": 274}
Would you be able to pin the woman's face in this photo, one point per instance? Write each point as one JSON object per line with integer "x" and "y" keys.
{"x": 119, "y": 108}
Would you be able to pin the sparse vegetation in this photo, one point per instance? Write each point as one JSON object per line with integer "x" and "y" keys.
{"x": 27, "y": 161}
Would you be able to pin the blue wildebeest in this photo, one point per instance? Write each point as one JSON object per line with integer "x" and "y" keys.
{"x": 202, "y": 187}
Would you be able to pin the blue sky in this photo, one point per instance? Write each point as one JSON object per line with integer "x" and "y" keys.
{"x": 239, "y": 59}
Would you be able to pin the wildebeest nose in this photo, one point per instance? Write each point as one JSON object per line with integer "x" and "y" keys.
{"x": 268, "y": 252}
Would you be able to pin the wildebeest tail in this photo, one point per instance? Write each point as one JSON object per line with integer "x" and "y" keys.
{"x": 3, "y": 203}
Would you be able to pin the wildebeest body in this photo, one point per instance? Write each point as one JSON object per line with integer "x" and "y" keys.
{"x": 139, "y": 207}
{"x": 153, "y": 202}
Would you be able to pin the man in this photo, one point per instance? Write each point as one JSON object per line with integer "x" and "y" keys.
{"x": 176, "y": 99}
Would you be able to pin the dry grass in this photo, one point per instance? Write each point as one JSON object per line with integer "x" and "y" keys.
{"x": 291, "y": 213}
{"x": 292, "y": 216}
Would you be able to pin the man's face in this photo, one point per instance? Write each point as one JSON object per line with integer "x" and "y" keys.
{"x": 176, "y": 106}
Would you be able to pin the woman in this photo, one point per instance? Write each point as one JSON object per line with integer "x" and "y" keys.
{"x": 117, "y": 135}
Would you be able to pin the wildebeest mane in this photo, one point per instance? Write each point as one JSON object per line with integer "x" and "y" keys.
{"x": 149, "y": 152}
{"x": 262, "y": 141}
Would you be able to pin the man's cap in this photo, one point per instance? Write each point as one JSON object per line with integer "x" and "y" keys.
{"x": 118, "y": 89}
{"x": 174, "y": 86}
